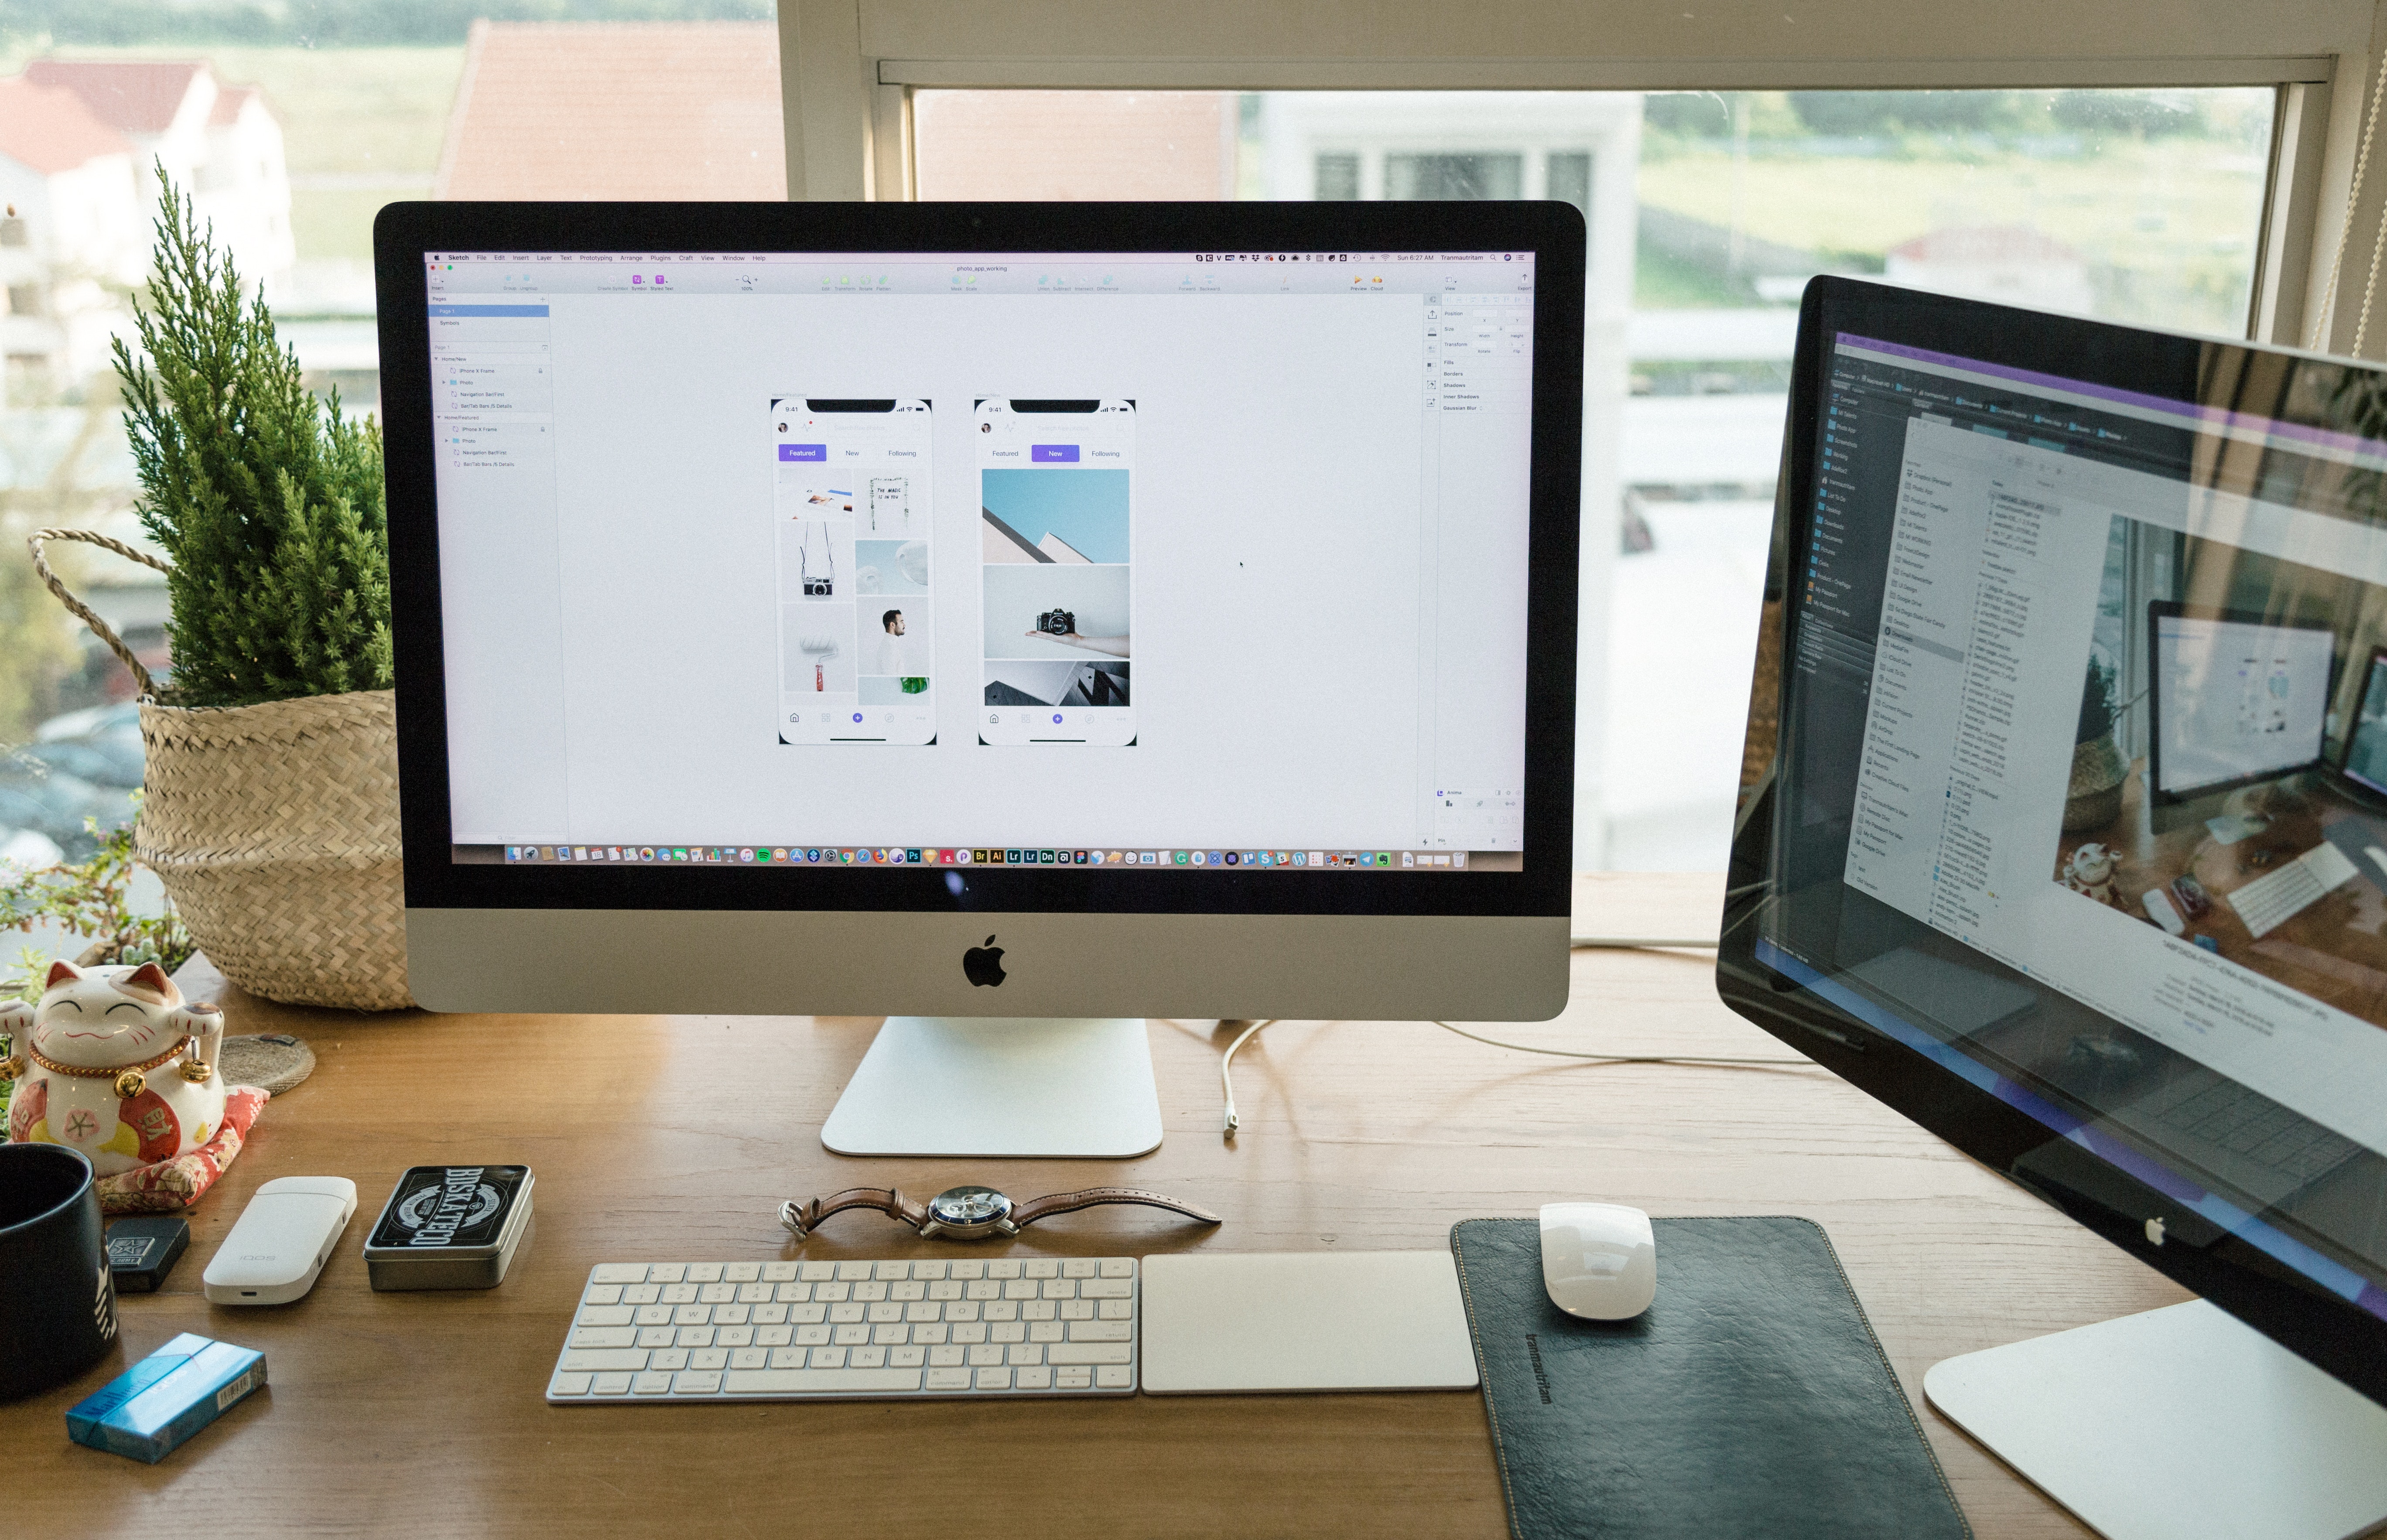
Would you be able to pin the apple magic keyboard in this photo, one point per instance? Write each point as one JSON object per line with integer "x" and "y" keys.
{"x": 681, "y": 1332}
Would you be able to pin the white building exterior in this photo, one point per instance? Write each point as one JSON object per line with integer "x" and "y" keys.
{"x": 73, "y": 243}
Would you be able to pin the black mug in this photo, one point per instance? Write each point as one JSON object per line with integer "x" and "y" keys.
{"x": 58, "y": 1299}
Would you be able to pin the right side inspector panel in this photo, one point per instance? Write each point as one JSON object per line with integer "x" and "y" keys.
{"x": 1056, "y": 509}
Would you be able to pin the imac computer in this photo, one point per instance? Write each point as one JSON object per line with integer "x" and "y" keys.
{"x": 1013, "y": 621}
{"x": 1998, "y": 532}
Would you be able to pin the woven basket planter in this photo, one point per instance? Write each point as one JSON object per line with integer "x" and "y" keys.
{"x": 274, "y": 829}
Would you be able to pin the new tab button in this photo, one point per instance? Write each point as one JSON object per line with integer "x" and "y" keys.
{"x": 1054, "y": 454}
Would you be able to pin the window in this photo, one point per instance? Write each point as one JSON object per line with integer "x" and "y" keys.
{"x": 1710, "y": 211}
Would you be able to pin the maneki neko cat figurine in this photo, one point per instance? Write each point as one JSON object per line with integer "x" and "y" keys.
{"x": 96, "y": 1066}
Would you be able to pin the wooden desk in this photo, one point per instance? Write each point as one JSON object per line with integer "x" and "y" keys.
{"x": 653, "y": 1137}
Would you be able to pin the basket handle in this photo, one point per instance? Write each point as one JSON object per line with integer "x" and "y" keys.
{"x": 82, "y": 612}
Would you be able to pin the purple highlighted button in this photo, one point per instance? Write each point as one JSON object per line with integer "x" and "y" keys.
{"x": 803, "y": 451}
{"x": 1053, "y": 454}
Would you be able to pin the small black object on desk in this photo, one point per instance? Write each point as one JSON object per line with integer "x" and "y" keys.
{"x": 143, "y": 1250}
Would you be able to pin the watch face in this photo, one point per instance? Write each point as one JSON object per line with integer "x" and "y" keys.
{"x": 968, "y": 1206}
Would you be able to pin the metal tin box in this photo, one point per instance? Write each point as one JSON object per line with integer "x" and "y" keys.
{"x": 449, "y": 1227}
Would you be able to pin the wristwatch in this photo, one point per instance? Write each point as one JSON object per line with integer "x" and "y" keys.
{"x": 971, "y": 1213}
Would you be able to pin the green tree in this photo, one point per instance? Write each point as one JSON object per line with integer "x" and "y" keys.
{"x": 269, "y": 504}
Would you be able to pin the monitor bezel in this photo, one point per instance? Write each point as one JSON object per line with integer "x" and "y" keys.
{"x": 2161, "y": 610}
{"x": 2331, "y": 1332}
{"x": 1552, "y": 233}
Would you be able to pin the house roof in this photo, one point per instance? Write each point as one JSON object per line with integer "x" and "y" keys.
{"x": 1068, "y": 145}
{"x": 51, "y": 130}
{"x": 1996, "y": 243}
{"x": 137, "y": 99}
{"x": 230, "y": 101}
{"x": 617, "y": 110}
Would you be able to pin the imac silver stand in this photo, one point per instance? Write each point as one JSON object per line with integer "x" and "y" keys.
{"x": 1001, "y": 1088}
{"x": 2174, "y": 1424}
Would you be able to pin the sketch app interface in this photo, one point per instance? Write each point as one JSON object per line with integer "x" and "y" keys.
{"x": 926, "y": 556}
{"x": 1056, "y": 533}
{"x": 851, "y": 521}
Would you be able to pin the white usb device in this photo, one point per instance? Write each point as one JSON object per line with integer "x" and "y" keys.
{"x": 280, "y": 1240}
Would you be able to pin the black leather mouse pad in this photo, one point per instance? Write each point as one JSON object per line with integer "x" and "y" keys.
{"x": 1751, "y": 1398}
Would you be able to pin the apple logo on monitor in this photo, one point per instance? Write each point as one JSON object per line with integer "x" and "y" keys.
{"x": 983, "y": 964}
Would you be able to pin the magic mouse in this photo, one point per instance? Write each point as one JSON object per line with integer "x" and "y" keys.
{"x": 1600, "y": 1260}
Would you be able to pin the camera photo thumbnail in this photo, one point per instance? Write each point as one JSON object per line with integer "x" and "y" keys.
{"x": 1051, "y": 610}
{"x": 891, "y": 566}
{"x": 1042, "y": 683}
{"x": 1064, "y": 517}
{"x": 816, "y": 563}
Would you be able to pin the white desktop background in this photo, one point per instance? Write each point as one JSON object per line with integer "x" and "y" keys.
{"x": 616, "y": 679}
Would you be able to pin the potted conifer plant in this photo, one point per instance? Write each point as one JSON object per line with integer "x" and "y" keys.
{"x": 270, "y": 804}
{"x": 2093, "y": 796}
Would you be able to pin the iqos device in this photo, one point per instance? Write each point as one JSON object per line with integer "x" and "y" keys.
{"x": 280, "y": 1240}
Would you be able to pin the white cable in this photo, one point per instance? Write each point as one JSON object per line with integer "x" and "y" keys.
{"x": 1637, "y": 943}
{"x": 1626, "y": 1058}
{"x": 2318, "y": 338}
{"x": 1226, "y": 1061}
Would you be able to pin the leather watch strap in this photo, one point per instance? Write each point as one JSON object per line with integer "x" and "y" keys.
{"x": 803, "y": 1219}
{"x": 1065, "y": 1203}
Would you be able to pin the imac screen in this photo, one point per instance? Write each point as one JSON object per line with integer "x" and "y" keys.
{"x": 2034, "y": 616}
{"x": 1178, "y": 560}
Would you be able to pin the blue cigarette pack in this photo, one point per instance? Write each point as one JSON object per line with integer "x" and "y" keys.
{"x": 150, "y": 1409}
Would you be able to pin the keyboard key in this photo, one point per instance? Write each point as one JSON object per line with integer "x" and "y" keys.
{"x": 946, "y": 1358}
{"x": 666, "y": 1272}
{"x": 1045, "y": 1266}
{"x": 1113, "y": 1379}
{"x": 1116, "y": 1267}
{"x": 730, "y": 1315}
{"x": 641, "y": 1293}
{"x": 733, "y": 1336}
{"x": 717, "y": 1294}
{"x": 819, "y": 1382}
{"x": 889, "y": 1336}
{"x": 779, "y": 1272}
{"x": 818, "y": 1273}
{"x": 1002, "y": 1309}
{"x": 1046, "y": 1330}
{"x": 969, "y": 1331}
{"x": 1023, "y": 1353}
{"x": 985, "y": 1355}
{"x": 853, "y": 1271}
{"x": 1107, "y": 1288}
{"x": 891, "y": 1271}
{"x": 606, "y": 1314}
{"x": 948, "y": 1379}
{"x": 1008, "y": 1331}
{"x": 792, "y": 1294}
{"x": 609, "y": 1384}
{"x": 602, "y": 1293}
{"x": 707, "y": 1357}
{"x": 1033, "y": 1379}
{"x": 906, "y": 1357}
{"x": 619, "y": 1272}
{"x": 929, "y": 1334}
{"x": 651, "y": 1385}
{"x": 750, "y": 1357}
{"x": 697, "y": 1383}
{"x": 967, "y": 1269}
{"x": 773, "y": 1337}
{"x": 1039, "y": 1309}
{"x": 569, "y": 1385}
{"x": 1019, "y": 1288}
{"x": 869, "y": 1293}
{"x": 811, "y": 1336}
{"x": 654, "y": 1314}
{"x": 867, "y": 1357}
{"x": 1072, "y": 1378}
{"x": 657, "y": 1336}
{"x": 1060, "y": 1288}
{"x": 669, "y": 1357}
{"x": 928, "y": 1271}
{"x": 1087, "y": 1352}
{"x": 679, "y": 1293}
{"x": 846, "y": 1337}
{"x": 705, "y": 1272}
{"x": 828, "y": 1358}
{"x": 993, "y": 1379}
{"x": 578, "y": 1361}
{"x": 605, "y": 1337}
{"x": 753, "y": 1293}
{"x": 1116, "y": 1309}
{"x": 741, "y": 1272}
{"x": 1100, "y": 1331}
{"x": 1078, "y": 1266}
{"x": 1079, "y": 1309}
{"x": 1007, "y": 1269}
{"x": 693, "y": 1336}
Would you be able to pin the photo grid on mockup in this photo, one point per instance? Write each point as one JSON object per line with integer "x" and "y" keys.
{"x": 852, "y": 513}
{"x": 1056, "y": 535}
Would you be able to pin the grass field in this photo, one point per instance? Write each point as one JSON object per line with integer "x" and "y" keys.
{"x": 368, "y": 121}
{"x": 2168, "y": 226}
